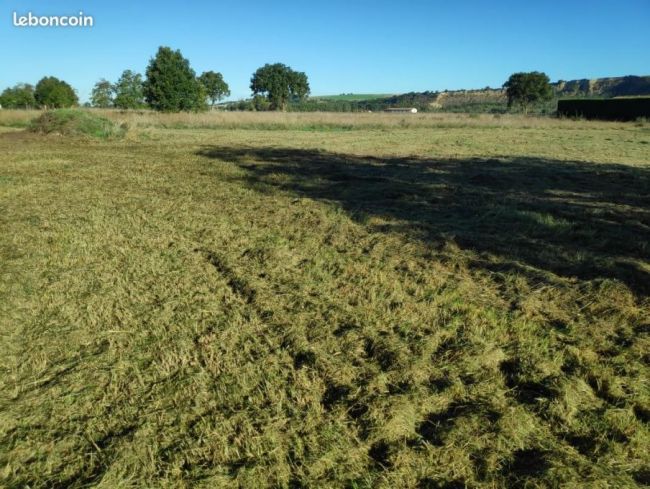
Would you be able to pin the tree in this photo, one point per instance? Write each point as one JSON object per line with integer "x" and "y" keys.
{"x": 171, "y": 84}
{"x": 102, "y": 94}
{"x": 279, "y": 83}
{"x": 129, "y": 91}
{"x": 215, "y": 86}
{"x": 20, "y": 96}
{"x": 525, "y": 89}
{"x": 54, "y": 93}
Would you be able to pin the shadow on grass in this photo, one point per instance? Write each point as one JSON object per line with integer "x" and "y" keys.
{"x": 574, "y": 219}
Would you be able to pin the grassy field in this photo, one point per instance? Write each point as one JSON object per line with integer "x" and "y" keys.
{"x": 299, "y": 301}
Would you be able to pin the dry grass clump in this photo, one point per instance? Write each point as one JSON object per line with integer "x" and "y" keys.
{"x": 408, "y": 308}
{"x": 72, "y": 122}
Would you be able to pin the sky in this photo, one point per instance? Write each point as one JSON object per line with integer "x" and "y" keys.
{"x": 344, "y": 46}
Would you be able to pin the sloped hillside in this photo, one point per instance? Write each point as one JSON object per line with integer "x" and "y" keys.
{"x": 605, "y": 87}
{"x": 490, "y": 100}
{"x": 494, "y": 99}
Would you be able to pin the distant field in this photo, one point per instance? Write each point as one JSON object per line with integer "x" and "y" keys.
{"x": 354, "y": 97}
{"x": 325, "y": 300}
{"x": 140, "y": 121}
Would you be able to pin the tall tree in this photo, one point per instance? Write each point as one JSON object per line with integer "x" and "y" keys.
{"x": 129, "y": 91}
{"x": 525, "y": 89}
{"x": 102, "y": 94}
{"x": 51, "y": 92}
{"x": 171, "y": 84}
{"x": 215, "y": 86}
{"x": 279, "y": 83}
{"x": 20, "y": 96}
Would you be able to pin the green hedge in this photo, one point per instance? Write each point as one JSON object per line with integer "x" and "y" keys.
{"x": 616, "y": 109}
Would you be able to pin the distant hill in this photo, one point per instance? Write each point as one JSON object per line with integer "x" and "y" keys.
{"x": 486, "y": 100}
{"x": 353, "y": 97}
{"x": 605, "y": 87}
{"x": 494, "y": 99}
{"x": 490, "y": 100}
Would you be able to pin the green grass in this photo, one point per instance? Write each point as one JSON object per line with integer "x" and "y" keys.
{"x": 409, "y": 307}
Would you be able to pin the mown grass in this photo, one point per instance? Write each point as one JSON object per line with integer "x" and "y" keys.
{"x": 395, "y": 307}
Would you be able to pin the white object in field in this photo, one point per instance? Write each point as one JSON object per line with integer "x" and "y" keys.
{"x": 403, "y": 110}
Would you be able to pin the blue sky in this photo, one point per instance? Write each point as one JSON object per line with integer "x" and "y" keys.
{"x": 343, "y": 46}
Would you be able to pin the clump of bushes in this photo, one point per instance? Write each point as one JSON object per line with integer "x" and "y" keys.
{"x": 75, "y": 122}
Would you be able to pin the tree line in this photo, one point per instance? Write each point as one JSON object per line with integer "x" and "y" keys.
{"x": 48, "y": 92}
{"x": 171, "y": 85}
